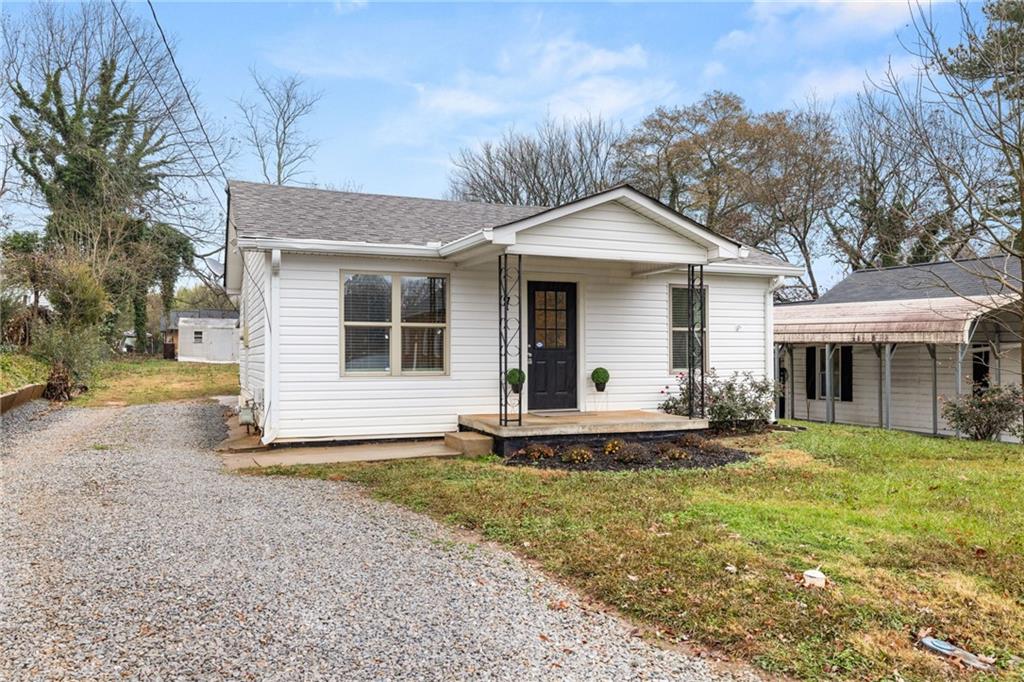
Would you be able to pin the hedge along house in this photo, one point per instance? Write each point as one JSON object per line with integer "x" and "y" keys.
{"x": 897, "y": 341}
{"x": 381, "y": 317}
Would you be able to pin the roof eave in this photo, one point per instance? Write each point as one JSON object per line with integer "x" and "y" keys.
{"x": 338, "y": 247}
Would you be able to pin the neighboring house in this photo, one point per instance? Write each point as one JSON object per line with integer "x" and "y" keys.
{"x": 169, "y": 322}
{"x": 207, "y": 339}
{"x": 900, "y": 339}
{"x": 369, "y": 317}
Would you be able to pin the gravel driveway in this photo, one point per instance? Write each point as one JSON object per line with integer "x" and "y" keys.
{"x": 127, "y": 552}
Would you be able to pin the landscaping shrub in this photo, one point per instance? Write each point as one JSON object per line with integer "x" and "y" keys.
{"x": 984, "y": 414}
{"x": 577, "y": 454}
{"x": 676, "y": 454}
{"x": 536, "y": 451}
{"x": 740, "y": 401}
{"x": 630, "y": 453}
{"x": 613, "y": 446}
{"x": 72, "y": 354}
{"x": 690, "y": 440}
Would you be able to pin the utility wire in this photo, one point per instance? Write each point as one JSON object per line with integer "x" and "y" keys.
{"x": 220, "y": 167}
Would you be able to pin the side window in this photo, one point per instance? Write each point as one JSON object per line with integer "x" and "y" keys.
{"x": 197, "y": 336}
{"x": 841, "y": 371}
{"x": 683, "y": 333}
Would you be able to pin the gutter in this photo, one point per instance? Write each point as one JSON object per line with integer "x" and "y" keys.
{"x": 330, "y": 246}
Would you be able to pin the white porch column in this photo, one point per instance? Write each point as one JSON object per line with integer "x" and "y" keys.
{"x": 830, "y": 406}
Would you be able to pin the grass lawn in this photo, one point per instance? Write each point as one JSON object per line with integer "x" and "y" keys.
{"x": 134, "y": 381}
{"x": 18, "y": 369}
{"x": 916, "y": 533}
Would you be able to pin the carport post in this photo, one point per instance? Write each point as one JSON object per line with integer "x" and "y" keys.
{"x": 961, "y": 349}
{"x": 935, "y": 388}
{"x": 792, "y": 381}
{"x": 997, "y": 360}
{"x": 888, "y": 351}
{"x": 830, "y": 407}
{"x": 881, "y": 384}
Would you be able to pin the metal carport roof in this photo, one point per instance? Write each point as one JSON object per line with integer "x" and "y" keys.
{"x": 920, "y": 320}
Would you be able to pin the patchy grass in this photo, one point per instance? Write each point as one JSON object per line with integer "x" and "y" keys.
{"x": 18, "y": 369}
{"x": 916, "y": 533}
{"x": 136, "y": 381}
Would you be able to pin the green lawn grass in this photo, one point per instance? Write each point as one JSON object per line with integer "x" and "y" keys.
{"x": 135, "y": 381}
{"x": 18, "y": 369}
{"x": 916, "y": 533}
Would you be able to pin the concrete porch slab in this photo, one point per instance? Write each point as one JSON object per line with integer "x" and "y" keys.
{"x": 581, "y": 423}
{"x": 339, "y": 454}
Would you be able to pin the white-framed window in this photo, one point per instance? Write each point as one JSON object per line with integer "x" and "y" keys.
{"x": 679, "y": 305}
{"x": 394, "y": 324}
{"x": 197, "y": 336}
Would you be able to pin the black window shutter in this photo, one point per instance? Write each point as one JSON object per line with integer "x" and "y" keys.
{"x": 846, "y": 373}
{"x": 811, "y": 372}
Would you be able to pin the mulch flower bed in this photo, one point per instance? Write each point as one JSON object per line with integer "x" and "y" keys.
{"x": 686, "y": 452}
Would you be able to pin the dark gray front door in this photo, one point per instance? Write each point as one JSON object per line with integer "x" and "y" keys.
{"x": 551, "y": 357}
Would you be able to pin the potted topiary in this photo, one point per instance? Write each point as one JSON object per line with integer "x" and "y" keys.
{"x": 515, "y": 378}
{"x": 600, "y": 378}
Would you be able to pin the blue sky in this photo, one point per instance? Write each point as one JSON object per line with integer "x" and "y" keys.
{"x": 405, "y": 85}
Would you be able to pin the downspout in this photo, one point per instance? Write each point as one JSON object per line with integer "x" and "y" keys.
{"x": 272, "y": 353}
{"x": 771, "y": 364}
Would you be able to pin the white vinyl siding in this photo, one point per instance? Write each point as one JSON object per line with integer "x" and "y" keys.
{"x": 611, "y": 229}
{"x": 624, "y": 326}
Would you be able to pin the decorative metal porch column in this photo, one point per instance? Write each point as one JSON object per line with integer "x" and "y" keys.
{"x": 510, "y": 338}
{"x": 697, "y": 324}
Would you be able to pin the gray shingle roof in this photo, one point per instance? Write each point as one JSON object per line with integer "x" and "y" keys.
{"x": 929, "y": 280}
{"x": 302, "y": 213}
{"x": 262, "y": 210}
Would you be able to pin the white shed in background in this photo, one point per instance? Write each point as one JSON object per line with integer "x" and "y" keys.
{"x": 206, "y": 339}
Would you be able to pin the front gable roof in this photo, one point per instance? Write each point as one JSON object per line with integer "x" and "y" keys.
{"x": 266, "y": 216}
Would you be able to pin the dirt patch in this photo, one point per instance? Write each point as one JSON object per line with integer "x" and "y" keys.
{"x": 686, "y": 452}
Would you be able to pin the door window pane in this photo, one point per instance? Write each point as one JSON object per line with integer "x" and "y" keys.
{"x": 367, "y": 298}
{"x": 367, "y": 349}
{"x": 423, "y": 299}
{"x": 422, "y": 349}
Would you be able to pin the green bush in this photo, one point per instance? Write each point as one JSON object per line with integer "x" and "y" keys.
{"x": 738, "y": 401}
{"x": 983, "y": 414}
{"x": 577, "y": 454}
{"x": 72, "y": 354}
{"x": 599, "y": 376}
{"x": 78, "y": 297}
{"x": 515, "y": 376}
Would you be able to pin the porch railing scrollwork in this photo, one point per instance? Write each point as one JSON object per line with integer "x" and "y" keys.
{"x": 510, "y": 338}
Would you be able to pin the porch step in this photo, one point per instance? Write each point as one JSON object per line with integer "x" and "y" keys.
{"x": 469, "y": 443}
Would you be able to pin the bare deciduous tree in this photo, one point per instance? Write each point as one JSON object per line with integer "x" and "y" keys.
{"x": 272, "y": 127}
{"x": 698, "y": 159}
{"x": 976, "y": 90}
{"x": 557, "y": 163}
{"x": 793, "y": 189}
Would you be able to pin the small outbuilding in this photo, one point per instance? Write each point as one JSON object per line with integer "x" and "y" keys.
{"x": 207, "y": 339}
{"x": 884, "y": 347}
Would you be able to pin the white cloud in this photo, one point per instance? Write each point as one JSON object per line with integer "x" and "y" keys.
{"x": 349, "y": 6}
{"x": 782, "y": 26}
{"x": 562, "y": 76}
{"x": 847, "y": 79}
{"x": 712, "y": 70}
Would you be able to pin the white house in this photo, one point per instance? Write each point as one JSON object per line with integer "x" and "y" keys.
{"x": 898, "y": 341}
{"x": 207, "y": 339}
{"x": 370, "y": 317}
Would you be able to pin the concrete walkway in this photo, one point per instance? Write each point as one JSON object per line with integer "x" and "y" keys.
{"x": 338, "y": 454}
